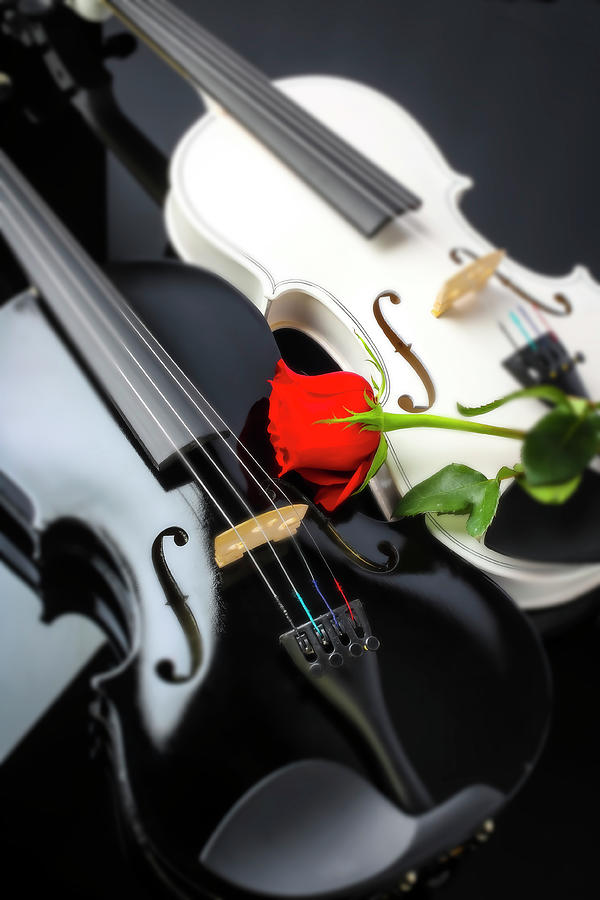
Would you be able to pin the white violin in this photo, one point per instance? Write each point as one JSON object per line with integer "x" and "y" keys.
{"x": 333, "y": 211}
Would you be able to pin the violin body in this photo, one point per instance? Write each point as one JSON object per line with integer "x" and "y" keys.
{"x": 237, "y": 773}
{"x": 237, "y": 210}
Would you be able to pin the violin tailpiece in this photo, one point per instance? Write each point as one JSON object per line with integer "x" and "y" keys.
{"x": 470, "y": 279}
{"x": 547, "y": 361}
{"x": 341, "y": 639}
{"x": 341, "y": 662}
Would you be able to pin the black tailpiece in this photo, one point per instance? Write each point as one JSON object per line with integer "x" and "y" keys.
{"x": 341, "y": 662}
{"x": 548, "y": 362}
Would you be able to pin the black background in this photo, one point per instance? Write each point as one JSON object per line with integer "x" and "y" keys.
{"x": 509, "y": 91}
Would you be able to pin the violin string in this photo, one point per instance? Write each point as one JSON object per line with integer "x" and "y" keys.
{"x": 171, "y": 365}
{"x": 508, "y": 335}
{"x": 329, "y": 162}
{"x": 204, "y": 39}
{"x": 278, "y": 487}
{"x": 546, "y": 352}
{"x": 251, "y": 80}
{"x": 103, "y": 283}
{"x": 51, "y": 273}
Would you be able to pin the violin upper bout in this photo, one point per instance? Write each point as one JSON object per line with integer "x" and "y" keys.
{"x": 229, "y": 195}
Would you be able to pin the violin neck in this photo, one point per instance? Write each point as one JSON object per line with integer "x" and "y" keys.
{"x": 362, "y": 192}
{"x": 131, "y": 368}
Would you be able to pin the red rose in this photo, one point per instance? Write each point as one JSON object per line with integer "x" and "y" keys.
{"x": 335, "y": 456}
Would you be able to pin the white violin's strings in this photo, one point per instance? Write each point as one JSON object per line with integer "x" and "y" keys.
{"x": 253, "y": 82}
{"x": 552, "y": 360}
{"x": 52, "y": 274}
{"x": 508, "y": 335}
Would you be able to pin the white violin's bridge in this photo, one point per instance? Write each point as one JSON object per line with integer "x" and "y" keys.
{"x": 469, "y": 280}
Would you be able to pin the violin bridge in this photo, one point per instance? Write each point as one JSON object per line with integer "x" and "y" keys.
{"x": 274, "y": 525}
{"x": 468, "y": 280}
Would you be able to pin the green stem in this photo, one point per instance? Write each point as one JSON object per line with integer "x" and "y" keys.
{"x": 376, "y": 420}
{"x": 394, "y": 421}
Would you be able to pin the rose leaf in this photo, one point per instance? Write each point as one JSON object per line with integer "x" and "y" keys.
{"x": 559, "y": 447}
{"x": 455, "y": 489}
{"x": 551, "y": 493}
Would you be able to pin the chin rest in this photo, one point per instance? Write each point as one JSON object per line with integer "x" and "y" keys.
{"x": 316, "y": 828}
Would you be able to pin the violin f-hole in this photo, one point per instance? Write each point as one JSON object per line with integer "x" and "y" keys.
{"x": 456, "y": 255}
{"x": 405, "y": 402}
{"x": 177, "y": 600}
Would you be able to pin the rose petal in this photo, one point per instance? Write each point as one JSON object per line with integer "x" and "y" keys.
{"x": 335, "y": 456}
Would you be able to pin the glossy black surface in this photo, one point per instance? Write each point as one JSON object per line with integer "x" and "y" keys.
{"x": 464, "y": 680}
{"x": 462, "y": 672}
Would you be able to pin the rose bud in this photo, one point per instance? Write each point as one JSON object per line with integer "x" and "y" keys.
{"x": 337, "y": 457}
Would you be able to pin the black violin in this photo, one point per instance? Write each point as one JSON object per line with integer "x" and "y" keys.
{"x": 299, "y": 706}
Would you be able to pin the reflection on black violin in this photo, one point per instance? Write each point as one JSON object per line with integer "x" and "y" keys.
{"x": 267, "y": 738}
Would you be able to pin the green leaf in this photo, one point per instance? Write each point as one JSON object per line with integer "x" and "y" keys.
{"x": 551, "y": 493}
{"x": 485, "y": 504}
{"x": 507, "y": 472}
{"x": 541, "y": 391}
{"x": 455, "y": 489}
{"x": 368, "y": 400}
{"x": 559, "y": 447}
{"x": 579, "y": 405}
{"x": 378, "y": 461}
